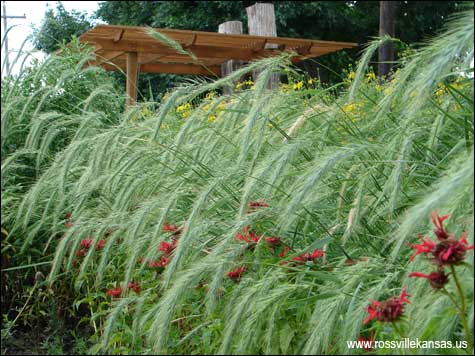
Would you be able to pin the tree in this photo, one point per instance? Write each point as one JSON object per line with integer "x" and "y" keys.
{"x": 387, "y": 26}
{"x": 351, "y": 21}
{"x": 59, "y": 26}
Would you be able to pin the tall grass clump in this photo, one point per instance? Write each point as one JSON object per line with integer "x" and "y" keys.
{"x": 157, "y": 214}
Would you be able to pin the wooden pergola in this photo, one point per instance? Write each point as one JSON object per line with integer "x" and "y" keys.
{"x": 132, "y": 50}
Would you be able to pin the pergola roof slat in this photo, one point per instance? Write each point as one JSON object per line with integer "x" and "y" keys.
{"x": 208, "y": 50}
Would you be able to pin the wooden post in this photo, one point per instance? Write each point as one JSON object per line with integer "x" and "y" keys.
{"x": 232, "y": 27}
{"x": 261, "y": 22}
{"x": 132, "y": 76}
{"x": 386, "y": 26}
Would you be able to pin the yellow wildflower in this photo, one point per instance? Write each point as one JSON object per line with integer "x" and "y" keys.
{"x": 184, "y": 110}
{"x": 210, "y": 95}
{"x": 298, "y": 85}
{"x": 212, "y": 118}
{"x": 370, "y": 77}
{"x": 221, "y": 106}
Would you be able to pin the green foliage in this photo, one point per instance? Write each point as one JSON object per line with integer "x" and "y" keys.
{"x": 59, "y": 27}
{"x": 325, "y": 20}
{"x": 353, "y": 170}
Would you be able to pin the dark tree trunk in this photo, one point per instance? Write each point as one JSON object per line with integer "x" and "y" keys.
{"x": 387, "y": 21}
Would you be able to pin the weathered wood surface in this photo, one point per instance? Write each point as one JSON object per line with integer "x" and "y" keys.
{"x": 132, "y": 78}
{"x": 261, "y": 22}
{"x": 230, "y": 27}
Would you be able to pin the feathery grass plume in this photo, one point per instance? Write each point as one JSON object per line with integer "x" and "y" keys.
{"x": 357, "y": 183}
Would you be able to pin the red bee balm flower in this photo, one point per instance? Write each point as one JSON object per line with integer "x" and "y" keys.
{"x": 450, "y": 251}
{"x": 426, "y": 246}
{"x": 154, "y": 264}
{"x": 170, "y": 228}
{"x": 135, "y": 287}
{"x": 100, "y": 244}
{"x": 86, "y": 243}
{"x": 248, "y": 236}
{"x": 437, "y": 279}
{"x": 309, "y": 256}
{"x": 387, "y": 311}
{"x": 273, "y": 241}
{"x": 447, "y": 252}
{"x": 438, "y": 222}
{"x": 116, "y": 292}
{"x": 236, "y": 274}
{"x": 284, "y": 251}
{"x": 164, "y": 261}
{"x": 167, "y": 247}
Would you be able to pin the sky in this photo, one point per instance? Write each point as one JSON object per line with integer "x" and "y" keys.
{"x": 34, "y": 12}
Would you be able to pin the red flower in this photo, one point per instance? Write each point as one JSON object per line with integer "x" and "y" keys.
{"x": 80, "y": 253}
{"x": 68, "y": 224}
{"x": 135, "y": 287}
{"x": 447, "y": 252}
{"x": 309, "y": 256}
{"x": 169, "y": 228}
{"x": 284, "y": 251}
{"x": 389, "y": 310}
{"x": 248, "y": 236}
{"x": 115, "y": 292}
{"x": 438, "y": 222}
{"x": 273, "y": 241}
{"x": 164, "y": 261}
{"x": 154, "y": 264}
{"x": 100, "y": 244}
{"x": 427, "y": 246}
{"x": 236, "y": 274}
{"x": 68, "y": 215}
{"x": 86, "y": 243}
{"x": 167, "y": 247}
{"x": 437, "y": 280}
{"x": 450, "y": 251}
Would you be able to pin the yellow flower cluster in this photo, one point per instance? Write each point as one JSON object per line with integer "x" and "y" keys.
{"x": 370, "y": 76}
{"x": 245, "y": 83}
{"x": 298, "y": 85}
{"x": 184, "y": 110}
{"x": 352, "y": 108}
{"x": 219, "y": 108}
{"x": 350, "y": 77}
{"x": 143, "y": 114}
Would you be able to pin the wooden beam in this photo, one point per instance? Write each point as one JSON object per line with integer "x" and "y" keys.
{"x": 171, "y": 68}
{"x": 106, "y": 57}
{"x": 132, "y": 76}
{"x": 246, "y": 54}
